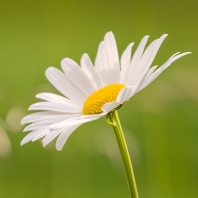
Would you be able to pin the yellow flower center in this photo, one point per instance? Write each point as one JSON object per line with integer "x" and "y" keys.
{"x": 96, "y": 100}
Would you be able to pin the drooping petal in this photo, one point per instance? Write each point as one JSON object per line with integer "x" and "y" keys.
{"x": 51, "y": 136}
{"x": 27, "y": 138}
{"x": 64, "y": 85}
{"x": 77, "y": 77}
{"x": 33, "y": 135}
{"x": 88, "y": 68}
{"x": 47, "y": 121}
{"x": 62, "y": 138}
{"x": 40, "y": 134}
{"x": 48, "y": 115}
{"x": 77, "y": 120}
{"x": 32, "y": 127}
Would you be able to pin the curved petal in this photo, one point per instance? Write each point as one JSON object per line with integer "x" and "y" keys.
{"x": 48, "y": 115}
{"x": 162, "y": 68}
{"x": 32, "y": 136}
{"x": 47, "y": 121}
{"x": 32, "y": 127}
{"x": 89, "y": 70}
{"x": 51, "y": 97}
{"x": 50, "y": 136}
{"x": 150, "y": 71}
{"x": 77, "y": 120}
{"x": 52, "y": 106}
{"x": 62, "y": 138}
{"x": 41, "y": 133}
{"x": 34, "y": 116}
{"x": 125, "y": 94}
{"x": 64, "y": 85}
{"x": 27, "y": 138}
{"x": 74, "y": 73}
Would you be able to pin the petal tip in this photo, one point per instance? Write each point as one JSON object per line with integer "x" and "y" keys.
{"x": 22, "y": 121}
{"x": 146, "y": 37}
{"x": 109, "y": 35}
{"x": 59, "y": 148}
{"x": 23, "y": 142}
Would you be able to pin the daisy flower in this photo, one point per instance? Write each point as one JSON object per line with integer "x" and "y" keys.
{"x": 91, "y": 91}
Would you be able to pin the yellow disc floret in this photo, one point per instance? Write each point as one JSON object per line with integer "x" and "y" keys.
{"x": 96, "y": 100}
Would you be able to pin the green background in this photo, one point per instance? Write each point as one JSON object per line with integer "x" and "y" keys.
{"x": 160, "y": 122}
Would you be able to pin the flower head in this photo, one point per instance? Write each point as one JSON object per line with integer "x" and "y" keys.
{"x": 90, "y": 92}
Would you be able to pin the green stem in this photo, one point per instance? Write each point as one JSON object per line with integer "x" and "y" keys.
{"x": 115, "y": 123}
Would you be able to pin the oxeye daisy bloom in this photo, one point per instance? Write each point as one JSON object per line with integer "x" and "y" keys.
{"x": 91, "y": 91}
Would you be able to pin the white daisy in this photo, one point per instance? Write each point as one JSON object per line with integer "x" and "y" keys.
{"x": 91, "y": 92}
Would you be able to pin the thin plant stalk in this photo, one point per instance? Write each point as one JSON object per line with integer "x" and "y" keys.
{"x": 114, "y": 121}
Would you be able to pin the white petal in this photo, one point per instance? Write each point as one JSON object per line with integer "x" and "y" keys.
{"x": 162, "y": 68}
{"x": 140, "y": 83}
{"x": 51, "y": 97}
{"x": 40, "y": 134}
{"x": 51, "y": 106}
{"x": 107, "y": 61}
{"x": 27, "y": 138}
{"x": 89, "y": 70}
{"x": 77, "y": 120}
{"x": 143, "y": 79}
{"x": 32, "y": 135}
{"x": 147, "y": 60}
{"x": 74, "y": 73}
{"x": 106, "y": 108}
{"x": 32, "y": 127}
{"x": 112, "y": 57}
{"x": 101, "y": 65}
{"x": 34, "y": 116}
{"x": 64, "y": 85}
{"x": 64, "y": 136}
{"x": 46, "y": 121}
{"x": 46, "y": 115}
{"x": 136, "y": 59}
{"x": 50, "y": 136}
{"x": 125, "y": 94}
{"x": 125, "y": 62}
{"x": 150, "y": 71}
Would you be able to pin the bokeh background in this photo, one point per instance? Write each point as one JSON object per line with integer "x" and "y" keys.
{"x": 160, "y": 122}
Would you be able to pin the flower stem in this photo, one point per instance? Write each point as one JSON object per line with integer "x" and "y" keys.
{"x": 115, "y": 123}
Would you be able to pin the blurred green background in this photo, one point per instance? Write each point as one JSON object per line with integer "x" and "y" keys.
{"x": 160, "y": 122}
